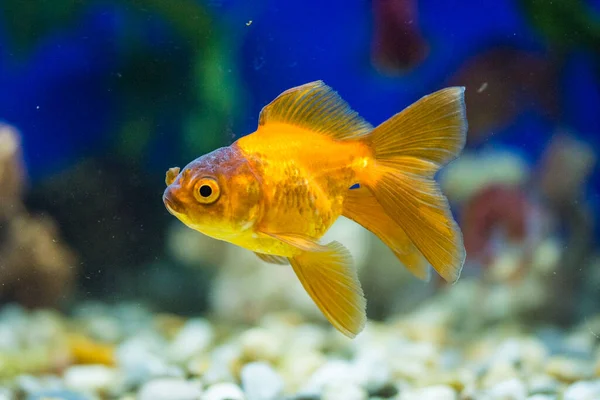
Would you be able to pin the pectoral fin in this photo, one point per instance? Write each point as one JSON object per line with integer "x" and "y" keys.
{"x": 272, "y": 259}
{"x": 300, "y": 241}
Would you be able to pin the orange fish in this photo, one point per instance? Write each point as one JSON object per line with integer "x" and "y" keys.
{"x": 278, "y": 190}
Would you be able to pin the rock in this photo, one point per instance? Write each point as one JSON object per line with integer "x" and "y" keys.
{"x": 500, "y": 371}
{"x": 297, "y": 368}
{"x": 224, "y": 391}
{"x": 373, "y": 372}
{"x": 529, "y": 353}
{"x": 542, "y": 384}
{"x": 221, "y": 360}
{"x": 170, "y": 389}
{"x": 6, "y": 394}
{"x": 456, "y": 378}
{"x": 90, "y": 378}
{"x": 343, "y": 391}
{"x": 34, "y": 384}
{"x": 261, "y": 344}
{"x": 584, "y": 390}
{"x": 569, "y": 369}
{"x": 333, "y": 372}
{"x": 105, "y": 328}
{"x": 439, "y": 392}
{"x": 412, "y": 360}
{"x": 139, "y": 359}
{"x": 579, "y": 344}
{"x": 58, "y": 394}
{"x": 9, "y": 337}
{"x": 195, "y": 337}
{"x": 513, "y": 389}
{"x": 261, "y": 382}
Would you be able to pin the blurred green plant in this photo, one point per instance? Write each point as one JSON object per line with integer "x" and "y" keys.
{"x": 565, "y": 23}
{"x": 198, "y": 87}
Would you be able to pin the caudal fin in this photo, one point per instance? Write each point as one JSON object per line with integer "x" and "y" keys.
{"x": 409, "y": 149}
{"x": 363, "y": 208}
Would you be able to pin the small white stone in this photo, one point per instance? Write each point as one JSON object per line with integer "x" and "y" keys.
{"x": 195, "y": 337}
{"x": 261, "y": 344}
{"x": 438, "y": 392}
{"x": 170, "y": 389}
{"x": 297, "y": 368}
{"x": 261, "y": 382}
{"x": 332, "y": 372}
{"x": 372, "y": 369}
{"x": 105, "y": 328}
{"x": 224, "y": 391}
{"x": 542, "y": 397}
{"x": 90, "y": 377}
{"x": 9, "y": 338}
{"x": 6, "y": 394}
{"x": 584, "y": 390}
{"x": 529, "y": 353}
{"x": 542, "y": 384}
{"x": 139, "y": 359}
{"x": 569, "y": 369}
{"x": 343, "y": 391}
{"x": 500, "y": 371}
{"x": 32, "y": 384}
{"x": 220, "y": 359}
{"x": 512, "y": 389}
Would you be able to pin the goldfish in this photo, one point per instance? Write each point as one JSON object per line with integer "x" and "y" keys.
{"x": 313, "y": 159}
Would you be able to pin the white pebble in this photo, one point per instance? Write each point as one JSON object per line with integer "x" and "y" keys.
{"x": 90, "y": 377}
{"x": 372, "y": 369}
{"x": 569, "y": 369}
{"x": 6, "y": 394}
{"x": 512, "y": 389}
{"x": 332, "y": 372}
{"x": 139, "y": 359}
{"x": 542, "y": 397}
{"x": 261, "y": 344}
{"x": 584, "y": 390}
{"x": 223, "y": 391}
{"x": 9, "y": 338}
{"x": 105, "y": 328}
{"x": 542, "y": 384}
{"x": 438, "y": 392}
{"x": 343, "y": 391}
{"x": 194, "y": 338}
{"x": 261, "y": 382}
{"x": 220, "y": 359}
{"x": 170, "y": 389}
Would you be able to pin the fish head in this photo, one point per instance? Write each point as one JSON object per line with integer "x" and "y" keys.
{"x": 216, "y": 194}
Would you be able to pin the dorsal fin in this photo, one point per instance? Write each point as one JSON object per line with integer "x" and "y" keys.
{"x": 317, "y": 107}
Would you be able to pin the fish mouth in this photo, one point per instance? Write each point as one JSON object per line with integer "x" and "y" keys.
{"x": 173, "y": 205}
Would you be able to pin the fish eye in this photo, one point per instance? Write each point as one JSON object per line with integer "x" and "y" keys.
{"x": 207, "y": 191}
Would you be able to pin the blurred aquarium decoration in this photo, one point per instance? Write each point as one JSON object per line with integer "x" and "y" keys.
{"x": 105, "y": 295}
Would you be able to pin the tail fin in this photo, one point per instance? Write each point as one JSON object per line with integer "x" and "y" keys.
{"x": 409, "y": 149}
{"x": 361, "y": 206}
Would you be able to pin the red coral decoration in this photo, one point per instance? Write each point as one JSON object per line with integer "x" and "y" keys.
{"x": 495, "y": 208}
